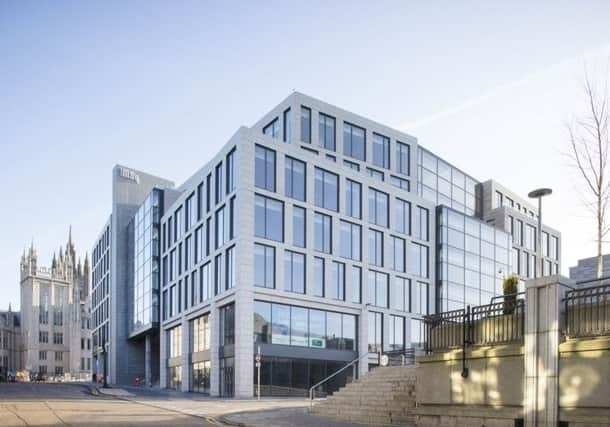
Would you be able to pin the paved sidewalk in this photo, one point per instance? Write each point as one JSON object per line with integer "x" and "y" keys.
{"x": 285, "y": 417}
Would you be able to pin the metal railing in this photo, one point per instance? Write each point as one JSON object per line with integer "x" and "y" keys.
{"x": 401, "y": 357}
{"x": 495, "y": 323}
{"x": 587, "y": 312}
{"x": 334, "y": 374}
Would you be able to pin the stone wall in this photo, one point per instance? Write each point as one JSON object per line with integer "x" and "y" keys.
{"x": 491, "y": 394}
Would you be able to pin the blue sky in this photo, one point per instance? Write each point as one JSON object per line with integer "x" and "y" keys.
{"x": 160, "y": 85}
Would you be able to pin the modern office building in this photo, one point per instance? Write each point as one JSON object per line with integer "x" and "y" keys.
{"x": 11, "y": 347}
{"x": 316, "y": 237}
{"x": 55, "y": 314}
{"x": 125, "y": 279}
{"x": 585, "y": 270}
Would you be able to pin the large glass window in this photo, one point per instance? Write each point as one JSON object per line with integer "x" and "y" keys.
{"x": 338, "y": 281}
{"x": 298, "y": 226}
{"x": 417, "y": 261}
{"x": 264, "y": 174}
{"x": 354, "y": 141}
{"x": 350, "y": 240}
{"x": 200, "y": 328}
{"x": 326, "y": 189}
{"x": 422, "y": 224}
{"x": 219, "y": 181}
{"x": 262, "y": 322}
{"x": 272, "y": 129}
{"x": 306, "y": 125}
{"x": 220, "y": 227}
{"x": 419, "y": 298}
{"x": 322, "y": 232}
{"x": 264, "y": 266}
{"x": 280, "y": 326}
{"x": 174, "y": 341}
{"x": 402, "y": 216}
{"x": 378, "y": 288}
{"x": 353, "y": 199}
{"x": 326, "y": 133}
{"x": 375, "y": 331}
{"x": 319, "y": 276}
{"x": 287, "y": 125}
{"x": 295, "y": 179}
{"x": 403, "y": 158}
{"x": 205, "y": 282}
{"x": 269, "y": 218}
{"x": 356, "y": 284}
{"x": 231, "y": 171}
{"x": 398, "y": 253}
{"x": 294, "y": 272}
{"x": 227, "y": 325}
{"x": 381, "y": 151}
{"x": 378, "y": 207}
{"x": 397, "y": 332}
{"x": 400, "y": 299}
{"x": 375, "y": 247}
{"x": 230, "y": 268}
{"x": 299, "y": 326}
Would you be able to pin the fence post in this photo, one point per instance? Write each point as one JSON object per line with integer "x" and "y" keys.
{"x": 543, "y": 325}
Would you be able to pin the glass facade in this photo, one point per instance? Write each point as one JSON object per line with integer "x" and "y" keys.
{"x": 442, "y": 184}
{"x": 474, "y": 258}
{"x": 146, "y": 263}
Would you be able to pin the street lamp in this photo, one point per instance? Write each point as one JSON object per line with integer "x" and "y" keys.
{"x": 539, "y": 194}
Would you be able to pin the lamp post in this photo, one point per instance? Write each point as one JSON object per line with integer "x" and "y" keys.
{"x": 539, "y": 194}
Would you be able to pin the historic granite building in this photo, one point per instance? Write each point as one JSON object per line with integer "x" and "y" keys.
{"x": 316, "y": 236}
{"x": 55, "y": 314}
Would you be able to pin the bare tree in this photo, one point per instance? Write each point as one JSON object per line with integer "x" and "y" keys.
{"x": 590, "y": 143}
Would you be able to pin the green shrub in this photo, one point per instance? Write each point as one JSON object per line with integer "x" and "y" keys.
{"x": 510, "y": 287}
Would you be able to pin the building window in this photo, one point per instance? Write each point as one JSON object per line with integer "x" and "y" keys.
{"x": 319, "y": 276}
{"x": 375, "y": 332}
{"x": 353, "y": 199}
{"x": 402, "y": 216}
{"x": 227, "y": 325}
{"x": 401, "y": 183}
{"x": 294, "y": 272}
{"x": 58, "y": 338}
{"x": 232, "y": 218}
{"x": 350, "y": 240}
{"x": 422, "y": 224}
{"x": 208, "y": 193}
{"x": 264, "y": 266}
{"x": 398, "y": 253}
{"x": 322, "y": 233}
{"x": 381, "y": 151}
{"x": 378, "y": 289}
{"x": 338, "y": 281}
{"x": 178, "y": 223}
{"x": 374, "y": 173}
{"x": 219, "y": 181}
{"x": 545, "y": 245}
{"x": 59, "y": 356}
{"x": 397, "y": 332}
{"x": 287, "y": 125}
{"x": 402, "y": 290}
{"x": 218, "y": 270}
{"x": 269, "y": 218}
{"x": 220, "y": 228}
{"x": 326, "y": 189}
{"x": 418, "y": 260}
{"x": 231, "y": 171}
{"x": 295, "y": 182}
{"x": 555, "y": 248}
{"x": 419, "y": 298}
{"x": 326, "y": 132}
{"x": 499, "y": 199}
{"x": 306, "y": 125}
{"x": 354, "y": 141}
{"x": 230, "y": 270}
{"x": 518, "y": 234}
{"x": 264, "y": 174}
{"x": 205, "y": 282}
{"x": 375, "y": 247}
{"x": 378, "y": 207}
{"x": 298, "y": 226}
{"x": 403, "y": 158}
{"x": 42, "y": 355}
{"x": 356, "y": 284}
{"x": 189, "y": 217}
{"x": 272, "y": 129}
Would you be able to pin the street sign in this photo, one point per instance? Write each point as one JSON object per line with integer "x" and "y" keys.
{"x": 257, "y": 357}
{"x": 384, "y": 360}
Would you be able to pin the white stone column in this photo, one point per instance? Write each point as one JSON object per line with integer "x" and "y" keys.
{"x": 186, "y": 353}
{"x": 543, "y": 324}
{"x": 363, "y": 342}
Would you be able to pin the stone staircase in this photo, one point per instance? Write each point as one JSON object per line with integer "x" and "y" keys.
{"x": 384, "y": 396}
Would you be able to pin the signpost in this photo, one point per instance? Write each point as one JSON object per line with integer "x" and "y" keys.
{"x": 258, "y": 367}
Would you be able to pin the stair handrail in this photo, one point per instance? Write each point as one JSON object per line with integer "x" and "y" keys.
{"x": 312, "y": 388}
